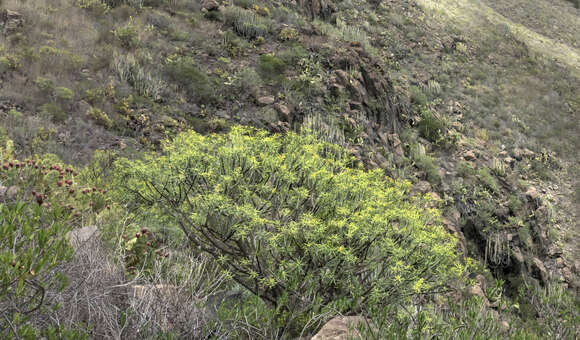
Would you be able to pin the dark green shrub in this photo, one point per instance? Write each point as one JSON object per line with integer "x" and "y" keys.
{"x": 213, "y": 16}
{"x": 247, "y": 23}
{"x": 292, "y": 55}
{"x": 127, "y": 35}
{"x": 417, "y": 96}
{"x": 431, "y": 127}
{"x": 54, "y": 111}
{"x": 487, "y": 179}
{"x": 290, "y": 219}
{"x": 40, "y": 201}
{"x": 189, "y": 76}
{"x": 245, "y": 4}
{"x": 100, "y": 117}
{"x": 271, "y": 67}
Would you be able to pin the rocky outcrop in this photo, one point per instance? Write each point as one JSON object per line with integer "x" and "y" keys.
{"x": 10, "y": 21}
{"x": 369, "y": 89}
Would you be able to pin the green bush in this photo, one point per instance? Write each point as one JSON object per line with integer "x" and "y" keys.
{"x": 45, "y": 85}
{"x": 271, "y": 67}
{"x": 431, "y": 127}
{"x": 288, "y": 34}
{"x": 247, "y": 23}
{"x": 40, "y": 201}
{"x": 129, "y": 69}
{"x": 127, "y": 35}
{"x": 487, "y": 179}
{"x": 245, "y": 4}
{"x": 295, "y": 221}
{"x": 100, "y": 117}
{"x": 417, "y": 96}
{"x": 425, "y": 163}
{"x": 54, "y": 111}
{"x": 189, "y": 76}
{"x": 64, "y": 93}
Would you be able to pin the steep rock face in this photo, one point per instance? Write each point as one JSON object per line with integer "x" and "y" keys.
{"x": 368, "y": 87}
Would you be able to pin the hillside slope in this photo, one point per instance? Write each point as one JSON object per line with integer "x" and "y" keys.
{"x": 475, "y": 102}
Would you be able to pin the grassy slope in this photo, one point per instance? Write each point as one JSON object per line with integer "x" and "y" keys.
{"x": 549, "y": 30}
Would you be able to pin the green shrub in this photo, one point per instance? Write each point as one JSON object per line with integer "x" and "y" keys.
{"x": 9, "y": 63}
{"x": 425, "y": 163}
{"x": 431, "y": 127}
{"x": 417, "y": 96}
{"x": 54, "y": 111}
{"x": 127, "y": 35}
{"x": 45, "y": 85}
{"x": 189, "y": 76}
{"x": 213, "y": 16}
{"x": 294, "y": 221}
{"x": 288, "y": 34}
{"x": 487, "y": 179}
{"x": 38, "y": 206}
{"x": 100, "y": 117}
{"x": 271, "y": 67}
{"x": 15, "y": 113}
{"x": 95, "y": 7}
{"x": 293, "y": 54}
{"x": 246, "y": 4}
{"x": 129, "y": 70}
{"x": 247, "y": 23}
{"x": 64, "y": 93}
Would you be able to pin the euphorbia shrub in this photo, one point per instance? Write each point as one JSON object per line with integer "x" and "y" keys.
{"x": 295, "y": 220}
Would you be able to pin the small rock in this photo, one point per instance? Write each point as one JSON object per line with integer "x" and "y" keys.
{"x": 341, "y": 328}
{"x": 435, "y": 196}
{"x": 79, "y": 236}
{"x": 8, "y": 193}
{"x": 210, "y": 5}
{"x": 394, "y": 139}
{"x": 577, "y": 266}
{"x": 539, "y": 270}
{"x": 509, "y": 160}
{"x": 423, "y": 187}
{"x": 266, "y": 100}
{"x": 83, "y": 106}
{"x": 519, "y": 154}
{"x": 477, "y": 291}
{"x": 341, "y": 76}
{"x": 284, "y": 112}
{"x": 532, "y": 193}
{"x": 528, "y": 153}
{"x": 469, "y": 156}
{"x": 481, "y": 280}
{"x": 567, "y": 274}
{"x": 554, "y": 250}
{"x": 505, "y": 326}
{"x": 517, "y": 256}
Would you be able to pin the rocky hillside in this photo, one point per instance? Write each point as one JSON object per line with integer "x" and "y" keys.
{"x": 476, "y": 103}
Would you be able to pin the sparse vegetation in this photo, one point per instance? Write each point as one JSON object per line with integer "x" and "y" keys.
{"x": 469, "y": 102}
